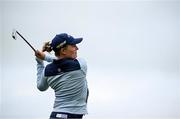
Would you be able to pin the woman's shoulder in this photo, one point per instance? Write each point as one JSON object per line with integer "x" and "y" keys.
{"x": 81, "y": 60}
{"x": 83, "y": 64}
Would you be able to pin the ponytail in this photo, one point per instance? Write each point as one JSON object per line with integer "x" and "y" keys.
{"x": 47, "y": 47}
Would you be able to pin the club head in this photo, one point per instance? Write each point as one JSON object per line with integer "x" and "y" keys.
{"x": 14, "y": 34}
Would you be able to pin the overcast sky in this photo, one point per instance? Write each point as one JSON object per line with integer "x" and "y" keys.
{"x": 132, "y": 51}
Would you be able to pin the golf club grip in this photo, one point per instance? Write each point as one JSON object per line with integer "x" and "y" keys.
{"x": 26, "y": 41}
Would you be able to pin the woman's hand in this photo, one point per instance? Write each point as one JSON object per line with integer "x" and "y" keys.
{"x": 40, "y": 54}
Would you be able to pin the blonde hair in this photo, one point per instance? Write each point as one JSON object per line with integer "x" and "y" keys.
{"x": 47, "y": 47}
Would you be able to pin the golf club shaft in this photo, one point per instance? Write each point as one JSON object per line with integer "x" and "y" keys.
{"x": 26, "y": 41}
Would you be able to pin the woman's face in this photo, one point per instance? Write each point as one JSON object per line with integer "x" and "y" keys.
{"x": 70, "y": 51}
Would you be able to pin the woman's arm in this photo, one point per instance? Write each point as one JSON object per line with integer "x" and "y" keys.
{"x": 43, "y": 56}
{"x": 42, "y": 84}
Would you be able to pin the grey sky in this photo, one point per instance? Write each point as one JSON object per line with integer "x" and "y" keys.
{"x": 132, "y": 51}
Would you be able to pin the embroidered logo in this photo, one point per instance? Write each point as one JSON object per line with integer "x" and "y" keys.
{"x": 61, "y": 44}
{"x": 59, "y": 69}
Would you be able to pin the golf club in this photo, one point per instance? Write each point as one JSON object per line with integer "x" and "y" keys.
{"x": 14, "y": 35}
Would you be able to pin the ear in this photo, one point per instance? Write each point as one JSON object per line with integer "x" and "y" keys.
{"x": 63, "y": 51}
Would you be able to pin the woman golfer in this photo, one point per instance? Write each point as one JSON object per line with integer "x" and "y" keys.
{"x": 66, "y": 75}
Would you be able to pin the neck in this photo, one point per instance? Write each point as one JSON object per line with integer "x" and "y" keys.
{"x": 61, "y": 57}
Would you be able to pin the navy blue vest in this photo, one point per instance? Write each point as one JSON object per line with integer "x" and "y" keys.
{"x": 61, "y": 66}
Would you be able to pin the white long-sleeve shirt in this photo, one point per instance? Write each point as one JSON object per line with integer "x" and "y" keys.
{"x": 68, "y": 79}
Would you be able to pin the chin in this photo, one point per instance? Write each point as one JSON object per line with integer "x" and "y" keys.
{"x": 75, "y": 57}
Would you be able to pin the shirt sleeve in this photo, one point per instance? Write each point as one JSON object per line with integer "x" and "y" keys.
{"x": 42, "y": 84}
{"x": 49, "y": 58}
